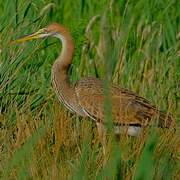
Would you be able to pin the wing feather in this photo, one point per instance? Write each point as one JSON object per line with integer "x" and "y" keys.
{"x": 127, "y": 107}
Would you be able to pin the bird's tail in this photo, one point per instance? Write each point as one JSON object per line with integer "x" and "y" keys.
{"x": 166, "y": 120}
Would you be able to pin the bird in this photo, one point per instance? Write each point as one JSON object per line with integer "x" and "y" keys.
{"x": 86, "y": 98}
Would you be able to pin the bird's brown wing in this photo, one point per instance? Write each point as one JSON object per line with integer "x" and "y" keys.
{"x": 127, "y": 107}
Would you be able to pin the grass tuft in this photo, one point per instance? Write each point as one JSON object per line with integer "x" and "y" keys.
{"x": 133, "y": 43}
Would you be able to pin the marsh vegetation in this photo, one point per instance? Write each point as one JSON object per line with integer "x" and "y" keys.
{"x": 39, "y": 138}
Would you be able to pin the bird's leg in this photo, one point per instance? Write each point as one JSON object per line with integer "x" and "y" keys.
{"x": 102, "y": 136}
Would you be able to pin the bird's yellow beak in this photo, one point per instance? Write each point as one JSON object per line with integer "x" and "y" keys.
{"x": 32, "y": 36}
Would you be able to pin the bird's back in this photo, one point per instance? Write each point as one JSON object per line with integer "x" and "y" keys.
{"x": 127, "y": 107}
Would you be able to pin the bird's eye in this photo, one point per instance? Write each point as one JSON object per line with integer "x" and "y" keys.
{"x": 46, "y": 31}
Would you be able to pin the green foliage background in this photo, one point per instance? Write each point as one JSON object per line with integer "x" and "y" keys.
{"x": 133, "y": 43}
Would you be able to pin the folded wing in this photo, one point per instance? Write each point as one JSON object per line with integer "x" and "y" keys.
{"x": 127, "y": 107}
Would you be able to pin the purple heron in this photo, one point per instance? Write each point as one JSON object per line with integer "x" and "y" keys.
{"x": 86, "y": 98}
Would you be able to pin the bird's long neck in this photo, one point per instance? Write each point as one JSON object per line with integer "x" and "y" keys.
{"x": 62, "y": 86}
{"x": 62, "y": 63}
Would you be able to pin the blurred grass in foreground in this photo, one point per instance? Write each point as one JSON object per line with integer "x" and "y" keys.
{"x": 38, "y": 137}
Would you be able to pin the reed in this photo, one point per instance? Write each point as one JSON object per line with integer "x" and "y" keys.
{"x": 39, "y": 139}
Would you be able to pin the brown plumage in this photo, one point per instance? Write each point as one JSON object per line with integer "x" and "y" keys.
{"x": 87, "y": 97}
{"x": 127, "y": 107}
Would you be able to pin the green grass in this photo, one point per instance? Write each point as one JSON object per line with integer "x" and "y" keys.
{"x": 133, "y": 43}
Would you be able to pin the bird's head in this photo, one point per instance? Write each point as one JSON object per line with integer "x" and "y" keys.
{"x": 54, "y": 29}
